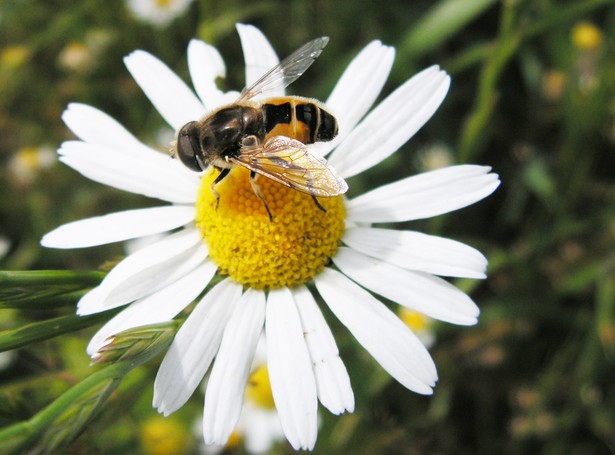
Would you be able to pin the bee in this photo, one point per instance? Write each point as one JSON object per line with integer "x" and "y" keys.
{"x": 269, "y": 137}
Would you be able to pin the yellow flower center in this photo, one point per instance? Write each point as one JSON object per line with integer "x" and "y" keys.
{"x": 262, "y": 253}
{"x": 413, "y": 319}
{"x": 164, "y": 436}
{"x": 258, "y": 389}
{"x": 163, "y": 4}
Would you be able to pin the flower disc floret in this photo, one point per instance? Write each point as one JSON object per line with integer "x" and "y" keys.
{"x": 262, "y": 253}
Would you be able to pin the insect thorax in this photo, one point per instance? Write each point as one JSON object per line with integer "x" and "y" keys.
{"x": 223, "y": 132}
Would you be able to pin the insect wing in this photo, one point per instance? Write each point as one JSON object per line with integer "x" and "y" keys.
{"x": 291, "y": 163}
{"x": 288, "y": 70}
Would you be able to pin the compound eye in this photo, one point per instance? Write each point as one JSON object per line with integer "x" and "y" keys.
{"x": 187, "y": 147}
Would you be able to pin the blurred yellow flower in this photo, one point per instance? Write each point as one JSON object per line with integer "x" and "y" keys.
{"x": 164, "y": 436}
{"x": 421, "y": 325}
{"x": 13, "y": 57}
{"x": 586, "y": 36}
{"x": 258, "y": 389}
{"x": 553, "y": 85}
{"x": 259, "y": 427}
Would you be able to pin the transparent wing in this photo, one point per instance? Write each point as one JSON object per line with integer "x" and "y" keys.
{"x": 288, "y": 70}
{"x": 291, "y": 163}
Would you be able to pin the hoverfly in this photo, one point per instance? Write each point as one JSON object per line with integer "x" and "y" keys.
{"x": 269, "y": 137}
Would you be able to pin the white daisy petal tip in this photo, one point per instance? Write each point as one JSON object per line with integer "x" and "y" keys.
{"x": 134, "y": 55}
{"x": 424, "y": 195}
{"x": 379, "y": 331}
{"x": 118, "y": 226}
{"x": 71, "y": 110}
{"x": 215, "y": 58}
{"x": 417, "y": 251}
{"x": 169, "y": 94}
{"x": 392, "y": 123}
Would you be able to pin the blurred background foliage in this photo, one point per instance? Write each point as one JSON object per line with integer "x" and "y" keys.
{"x": 533, "y": 95}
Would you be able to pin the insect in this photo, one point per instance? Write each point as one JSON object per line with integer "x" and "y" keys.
{"x": 269, "y": 137}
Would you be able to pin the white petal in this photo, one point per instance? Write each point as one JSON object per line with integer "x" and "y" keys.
{"x": 419, "y": 291}
{"x": 106, "y": 296}
{"x": 194, "y": 347}
{"x": 156, "y": 176}
{"x": 175, "y": 102}
{"x": 145, "y": 271}
{"x": 358, "y": 88}
{"x": 206, "y": 64}
{"x": 119, "y": 226}
{"x": 227, "y": 381}
{"x": 161, "y": 306}
{"x": 379, "y": 331}
{"x": 94, "y": 126}
{"x": 417, "y": 251}
{"x": 290, "y": 371}
{"x": 332, "y": 381}
{"x": 392, "y": 123}
{"x": 424, "y": 195}
{"x": 259, "y": 57}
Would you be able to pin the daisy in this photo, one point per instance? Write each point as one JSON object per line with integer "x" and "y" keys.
{"x": 158, "y": 12}
{"x": 272, "y": 274}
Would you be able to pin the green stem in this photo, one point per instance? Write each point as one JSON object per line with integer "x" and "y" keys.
{"x": 497, "y": 56}
{"x": 501, "y": 52}
{"x": 44, "y": 330}
{"x": 92, "y": 390}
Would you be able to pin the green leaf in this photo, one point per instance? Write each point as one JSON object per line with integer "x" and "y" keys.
{"x": 62, "y": 421}
{"x": 444, "y": 20}
{"x": 41, "y": 289}
{"x": 56, "y": 426}
{"x": 44, "y": 330}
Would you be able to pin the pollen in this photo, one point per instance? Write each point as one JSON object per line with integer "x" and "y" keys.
{"x": 256, "y": 251}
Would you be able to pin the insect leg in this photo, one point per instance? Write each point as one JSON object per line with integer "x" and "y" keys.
{"x": 318, "y": 204}
{"x": 223, "y": 173}
{"x": 257, "y": 191}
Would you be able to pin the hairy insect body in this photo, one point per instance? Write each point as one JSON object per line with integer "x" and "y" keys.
{"x": 224, "y": 133}
{"x": 270, "y": 137}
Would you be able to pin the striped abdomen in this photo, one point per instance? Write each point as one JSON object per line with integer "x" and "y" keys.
{"x": 298, "y": 118}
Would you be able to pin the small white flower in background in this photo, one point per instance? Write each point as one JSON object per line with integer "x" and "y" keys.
{"x": 435, "y": 156}
{"x": 6, "y": 359}
{"x": 158, "y": 12}
{"x": 5, "y": 246}
{"x": 26, "y": 164}
{"x": 269, "y": 264}
{"x": 83, "y": 56}
{"x": 76, "y": 56}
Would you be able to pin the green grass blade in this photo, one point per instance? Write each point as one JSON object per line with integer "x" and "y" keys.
{"x": 444, "y": 20}
{"x": 39, "y": 289}
{"x": 44, "y": 330}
